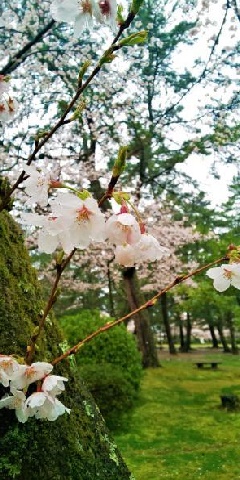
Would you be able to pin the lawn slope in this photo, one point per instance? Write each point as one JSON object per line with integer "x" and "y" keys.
{"x": 178, "y": 430}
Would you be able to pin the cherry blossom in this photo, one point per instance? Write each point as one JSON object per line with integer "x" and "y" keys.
{"x": 107, "y": 13}
{"x": 82, "y": 13}
{"x": 79, "y": 12}
{"x": 8, "y": 108}
{"x": 27, "y": 374}
{"x": 148, "y": 249}
{"x": 8, "y": 367}
{"x": 42, "y": 405}
{"x": 123, "y": 228}
{"x": 37, "y": 185}
{"x": 73, "y": 223}
{"x": 17, "y": 402}
{"x": 225, "y": 276}
{"x": 125, "y": 255}
{"x": 55, "y": 231}
{"x": 83, "y": 218}
{"x": 54, "y": 384}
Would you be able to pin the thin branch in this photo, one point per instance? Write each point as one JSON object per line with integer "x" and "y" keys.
{"x": 52, "y": 298}
{"x": 150, "y": 303}
{"x": 236, "y": 9}
{"x": 19, "y": 57}
{"x": 204, "y": 72}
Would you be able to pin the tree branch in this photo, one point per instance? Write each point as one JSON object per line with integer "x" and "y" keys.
{"x": 19, "y": 57}
{"x": 150, "y": 303}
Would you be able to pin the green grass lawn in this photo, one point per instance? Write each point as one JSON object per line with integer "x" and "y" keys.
{"x": 178, "y": 430}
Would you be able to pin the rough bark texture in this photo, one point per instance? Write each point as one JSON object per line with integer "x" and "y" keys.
{"x": 142, "y": 325}
{"x": 75, "y": 446}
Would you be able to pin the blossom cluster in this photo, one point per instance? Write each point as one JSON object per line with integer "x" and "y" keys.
{"x": 40, "y": 404}
{"x": 224, "y": 276}
{"x": 83, "y": 13}
{"x": 75, "y": 220}
{"x": 8, "y": 105}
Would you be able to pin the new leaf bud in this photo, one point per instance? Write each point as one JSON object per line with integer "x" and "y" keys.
{"x": 120, "y": 163}
{"x": 134, "y": 39}
{"x": 136, "y": 4}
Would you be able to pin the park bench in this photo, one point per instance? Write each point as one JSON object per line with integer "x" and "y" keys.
{"x": 204, "y": 364}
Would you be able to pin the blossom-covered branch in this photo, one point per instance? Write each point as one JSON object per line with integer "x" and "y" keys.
{"x": 106, "y": 58}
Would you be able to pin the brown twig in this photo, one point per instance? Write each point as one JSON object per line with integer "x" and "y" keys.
{"x": 52, "y": 298}
{"x": 150, "y": 303}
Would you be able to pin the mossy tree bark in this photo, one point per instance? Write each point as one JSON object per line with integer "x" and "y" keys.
{"x": 75, "y": 446}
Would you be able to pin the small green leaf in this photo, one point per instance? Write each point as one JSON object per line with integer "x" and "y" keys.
{"x": 120, "y": 163}
{"x": 120, "y": 19}
{"x": 134, "y": 39}
{"x": 108, "y": 57}
{"x": 83, "y": 69}
{"x": 84, "y": 195}
{"x": 136, "y": 4}
{"x": 120, "y": 196}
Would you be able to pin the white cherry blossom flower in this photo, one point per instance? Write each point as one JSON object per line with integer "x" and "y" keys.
{"x": 37, "y": 185}
{"x": 8, "y": 367}
{"x": 107, "y": 12}
{"x": 80, "y": 12}
{"x": 17, "y": 402}
{"x": 148, "y": 249}
{"x": 27, "y": 374}
{"x": 84, "y": 219}
{"x": 8, "y": 108}
{"x": 123, "y": 228}
{"x": 55, "y": 231}
{"x": 72, "y": 223}
{"x": 224, "y": 276}
{"x": 125, "y": 255}
{"x": 54, "y": 385}
{"x": 42, "y": 405}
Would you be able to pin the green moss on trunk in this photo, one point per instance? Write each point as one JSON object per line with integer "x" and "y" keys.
{"x": 75, "y": 446}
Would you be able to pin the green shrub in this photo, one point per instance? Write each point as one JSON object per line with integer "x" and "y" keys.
{"x": 113, "y": 393}
{"x": 110, "y": 364}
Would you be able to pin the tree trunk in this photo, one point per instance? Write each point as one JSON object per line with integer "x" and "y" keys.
{"x": 163, "y": 300}
{"x": 181, "y": 336}
{"x": 187, "y": 341}
{"x": 230, "y": 324}
{"x": 189, "y": 333}
{"x": 76, "y": 446}
{"x": 226, "y": 348}
{"x": 214, "y": 338}
{"x": 142, "y": 325}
